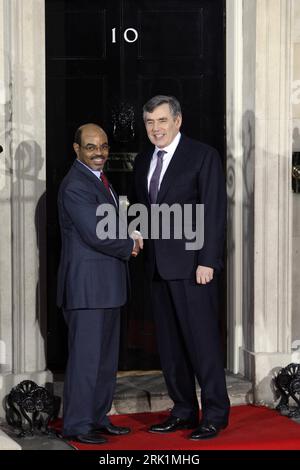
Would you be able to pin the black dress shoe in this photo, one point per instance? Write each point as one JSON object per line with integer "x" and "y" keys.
{"x": 173, "y": 424}
{"x": 88, "y": 438}
{"x": 113, "y": 430}
{"x": 206, "y": 431}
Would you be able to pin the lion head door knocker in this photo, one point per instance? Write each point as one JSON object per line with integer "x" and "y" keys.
{"x": 123, "y": 121}
{"x": 287, "y": 383}
{"x": 30, "y": 408}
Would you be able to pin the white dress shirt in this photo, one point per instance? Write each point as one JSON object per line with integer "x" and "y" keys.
{"x": 170, "y": 149}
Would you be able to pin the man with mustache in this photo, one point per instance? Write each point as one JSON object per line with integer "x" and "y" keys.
{"x": 92, "y": 285}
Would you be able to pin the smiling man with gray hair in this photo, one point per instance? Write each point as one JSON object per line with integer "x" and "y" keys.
{"x": 179, "y": 170}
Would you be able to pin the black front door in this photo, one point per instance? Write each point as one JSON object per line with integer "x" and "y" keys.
{"x": 105, "y": 59}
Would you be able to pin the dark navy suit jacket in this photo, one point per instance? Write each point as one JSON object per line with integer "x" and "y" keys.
{"x": 92, "y": 272}
{"x": 194, "y": 176}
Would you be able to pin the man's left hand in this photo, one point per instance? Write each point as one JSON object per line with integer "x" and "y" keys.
{"x": 204, "y": 274}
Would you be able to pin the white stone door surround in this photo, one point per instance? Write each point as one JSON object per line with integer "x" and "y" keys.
{"x": 259, "y": 64}
{"x": 259, "y": 153}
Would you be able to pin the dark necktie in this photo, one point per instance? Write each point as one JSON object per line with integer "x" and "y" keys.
{"x": 154, "y": 182}
{"x": 104, "y": 181}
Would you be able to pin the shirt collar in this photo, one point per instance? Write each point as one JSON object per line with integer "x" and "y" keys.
{"x": 170, "y": 149}
{"x": 96, "y": 172}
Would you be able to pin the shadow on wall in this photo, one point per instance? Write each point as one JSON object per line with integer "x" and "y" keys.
{"x": 245, "y": 168}
{"x": 265, "y": 392}
{"x": 26, "y": 188}
{"x": 296, "y": 140}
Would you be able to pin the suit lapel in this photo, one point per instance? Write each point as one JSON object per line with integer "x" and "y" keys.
{"x": 94, "y": 180}
{"x": 116, "y": 197}
{"x": 113, "y": 191}
{"x": 174, "y": 169}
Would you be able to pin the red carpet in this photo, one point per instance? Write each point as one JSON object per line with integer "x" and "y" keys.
{"x": 251, "y": 428}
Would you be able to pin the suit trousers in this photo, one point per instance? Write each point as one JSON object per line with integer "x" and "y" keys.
{"x": 92, "y": 366}
{"x": 186, "y": 318}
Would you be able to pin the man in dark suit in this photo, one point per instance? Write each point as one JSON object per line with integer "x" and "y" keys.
{"x": 179, "y": 170}
{"x": 92, "y": 285}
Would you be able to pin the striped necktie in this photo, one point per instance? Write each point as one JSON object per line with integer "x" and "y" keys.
{"x": 154, "y": 182}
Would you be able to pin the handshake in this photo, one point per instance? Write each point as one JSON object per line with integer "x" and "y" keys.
{"x": 138, "y": 242}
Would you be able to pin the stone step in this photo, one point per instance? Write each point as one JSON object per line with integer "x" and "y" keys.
{"x": 142, "y": 391}
{"x": 7, "y": 443}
